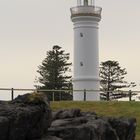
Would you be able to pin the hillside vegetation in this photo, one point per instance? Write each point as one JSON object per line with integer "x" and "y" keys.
{"x": 117, "y": 109}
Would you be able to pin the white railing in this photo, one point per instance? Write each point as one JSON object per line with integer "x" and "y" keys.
{"x": 113, "y": 94}
{"x": 88, "y": 10}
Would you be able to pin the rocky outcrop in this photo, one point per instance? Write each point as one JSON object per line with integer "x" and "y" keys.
{"x": 76, "y": 125}
{"x": 29, "y": 117}
{"x": 25, "y": 118}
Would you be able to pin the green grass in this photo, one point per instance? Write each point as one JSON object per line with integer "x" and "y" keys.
{"x": 126, "y": 109}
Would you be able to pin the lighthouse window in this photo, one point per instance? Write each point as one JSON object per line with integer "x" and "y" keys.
{"x": 81, "y": 34}
{"x": 81, "y": 63}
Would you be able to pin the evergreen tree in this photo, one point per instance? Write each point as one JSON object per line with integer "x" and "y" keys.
{"x": 54, "y": 70}
{"x": 112, "y": 77}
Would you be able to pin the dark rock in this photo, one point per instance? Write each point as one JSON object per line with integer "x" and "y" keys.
{"x": 26, "y": 118}
{"x": 124, "y": 127}
{"x": 4, "y": 122}
{"x": 82, "y": 128}
{"x": 50, "y": 138}
{"x": 62, "y": 114}
{"x": 88, "y": 126}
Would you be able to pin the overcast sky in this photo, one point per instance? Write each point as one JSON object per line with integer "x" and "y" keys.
{"x": 29, "y": 28}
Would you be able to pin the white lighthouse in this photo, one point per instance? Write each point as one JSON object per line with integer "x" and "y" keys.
{"x": 85, "y": 17}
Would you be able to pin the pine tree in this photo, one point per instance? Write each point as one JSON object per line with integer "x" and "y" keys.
{"x": 112, "y": 77}
{"x": 54, "y": 70}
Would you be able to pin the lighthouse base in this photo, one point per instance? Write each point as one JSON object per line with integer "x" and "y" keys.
{"x": 86, "y": 89}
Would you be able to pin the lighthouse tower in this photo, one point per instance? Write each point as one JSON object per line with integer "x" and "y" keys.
{"x": 85, "y": 17}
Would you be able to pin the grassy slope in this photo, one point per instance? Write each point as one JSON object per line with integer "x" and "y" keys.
{"x": 127, "y": 109}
